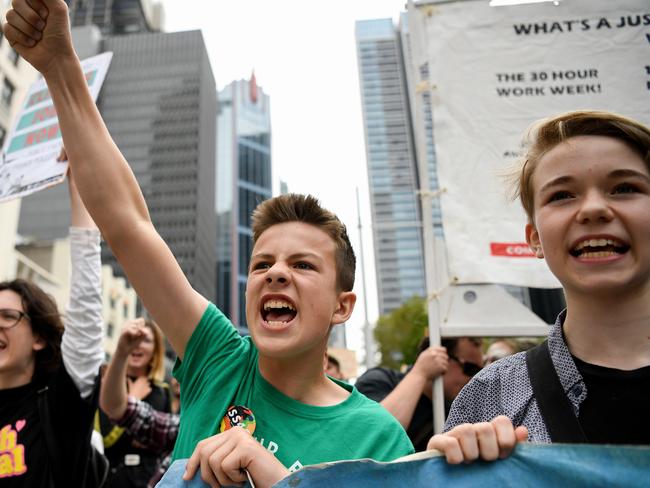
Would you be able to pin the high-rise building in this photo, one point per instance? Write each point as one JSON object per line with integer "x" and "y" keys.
{"x": 115, "y": 17}
{"x": 243, "y": 181}
{"x": 159, "y": 103}
{"x": 392, "y": 166}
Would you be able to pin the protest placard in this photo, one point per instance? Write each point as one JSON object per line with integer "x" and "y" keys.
{"x": 489, "y": 72}
{"x": 29, "y": 156}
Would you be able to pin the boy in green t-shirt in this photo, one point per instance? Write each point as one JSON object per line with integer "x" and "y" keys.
{"x": 299, "y": 286}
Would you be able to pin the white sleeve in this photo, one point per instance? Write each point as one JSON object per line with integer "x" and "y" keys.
{"x": 81, "y": 345}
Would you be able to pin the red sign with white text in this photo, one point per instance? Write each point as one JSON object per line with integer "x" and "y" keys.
{"x": 511, "y": 250}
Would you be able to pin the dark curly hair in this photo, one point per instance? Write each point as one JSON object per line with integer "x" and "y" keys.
{"x": 45, "y": 321}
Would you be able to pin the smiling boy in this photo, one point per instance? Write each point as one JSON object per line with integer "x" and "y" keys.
{"x": 585, "y": 186}
{"x": 299, "y": 286}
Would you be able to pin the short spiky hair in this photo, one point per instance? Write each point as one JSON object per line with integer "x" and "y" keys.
{"x": 548, "y": 133}
{"x": 307, "y": 209}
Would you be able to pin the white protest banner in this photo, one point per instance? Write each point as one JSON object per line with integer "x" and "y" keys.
{"x": 30, "y": 152}
{"x": 494, "y": 71}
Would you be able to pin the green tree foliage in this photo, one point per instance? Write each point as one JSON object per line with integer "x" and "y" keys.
{"x": 399, "y": 333}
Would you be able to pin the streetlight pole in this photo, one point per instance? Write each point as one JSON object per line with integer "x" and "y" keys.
{"x": 367, "y": 332}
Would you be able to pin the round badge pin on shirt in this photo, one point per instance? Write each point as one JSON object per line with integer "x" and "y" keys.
{"x": 238, "y": 416}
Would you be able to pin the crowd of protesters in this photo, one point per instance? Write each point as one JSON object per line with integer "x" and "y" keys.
{"x": 260, "y": 407}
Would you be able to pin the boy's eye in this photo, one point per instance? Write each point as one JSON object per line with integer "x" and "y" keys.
{"x": 625, "y": 188}
{"x": 303, "y": 265}
{"x": 559, "y": 195}
{"x": 260, "y": 265}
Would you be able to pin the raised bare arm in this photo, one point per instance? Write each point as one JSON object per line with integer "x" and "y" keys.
{"x": 39, "y": 30}
{"x": 113, "y": 394}
{"x": 401, "y": 402}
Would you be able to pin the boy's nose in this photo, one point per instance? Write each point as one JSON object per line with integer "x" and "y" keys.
{"x": 277, "y": 274}
{"x": 595, "y": 207}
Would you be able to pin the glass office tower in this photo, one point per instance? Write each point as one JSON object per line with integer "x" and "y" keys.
{"x": 243, "y": 181}
{"x": 392, "y": 168}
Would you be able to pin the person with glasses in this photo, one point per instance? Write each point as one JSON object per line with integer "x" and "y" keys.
{"x": 408, "y": 395}
{"x": 465, "y": 361}
{"x": 48, "y": 368}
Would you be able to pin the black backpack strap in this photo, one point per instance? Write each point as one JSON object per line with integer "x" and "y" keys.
{"x": 554, "y": 405}
{"x": 48, "y": 433}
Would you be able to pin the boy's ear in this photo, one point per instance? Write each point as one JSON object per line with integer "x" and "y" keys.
{"x": 532, "y": 238}
{"x": 346, "y": 301}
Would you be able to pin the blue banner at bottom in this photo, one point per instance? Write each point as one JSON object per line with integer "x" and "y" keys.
{"x": 530, "y": 466}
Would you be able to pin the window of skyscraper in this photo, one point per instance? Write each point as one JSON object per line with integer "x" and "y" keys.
{"x": 243, "y": 256}
{"x": 242, "y": 304}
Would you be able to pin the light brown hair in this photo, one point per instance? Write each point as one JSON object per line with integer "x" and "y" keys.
{"x": 545, "y": 134}
{"x": 157, "y": 365}
{"x": 307, "y": 209}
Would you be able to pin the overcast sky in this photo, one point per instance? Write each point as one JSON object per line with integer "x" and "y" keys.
{"x": 304, "y": 57}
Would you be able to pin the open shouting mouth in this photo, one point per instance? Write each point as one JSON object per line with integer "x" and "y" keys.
{"x": 277, "y": 312}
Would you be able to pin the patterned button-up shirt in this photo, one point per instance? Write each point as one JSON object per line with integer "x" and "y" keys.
{"x": 153, "y": 430}
{"x": 504, "y": 388}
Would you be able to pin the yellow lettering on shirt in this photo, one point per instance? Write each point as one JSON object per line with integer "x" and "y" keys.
{"x": 12, "y": 454}
{"x": 8, "y": 438}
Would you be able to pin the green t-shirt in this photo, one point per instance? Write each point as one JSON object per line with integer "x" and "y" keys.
{"x": 220, "y": 370}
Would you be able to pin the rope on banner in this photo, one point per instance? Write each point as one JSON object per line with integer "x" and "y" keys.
{"x": 438, "y": 293}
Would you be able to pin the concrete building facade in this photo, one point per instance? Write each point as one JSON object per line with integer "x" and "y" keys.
{"x": 159, "y": 103}
{"x": 117, "y": 17}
